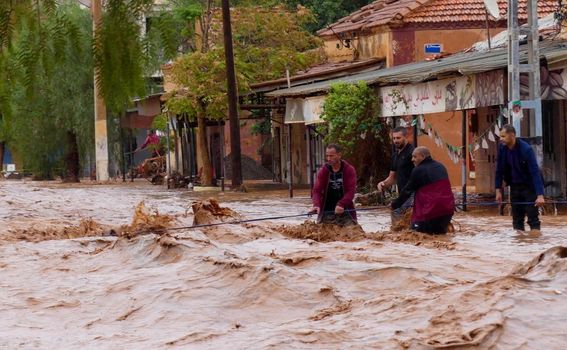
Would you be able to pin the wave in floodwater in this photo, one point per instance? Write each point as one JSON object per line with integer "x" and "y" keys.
{"x": 267, "y": 285}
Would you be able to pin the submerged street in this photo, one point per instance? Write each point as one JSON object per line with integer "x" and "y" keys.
{"x": 65, "y": 283}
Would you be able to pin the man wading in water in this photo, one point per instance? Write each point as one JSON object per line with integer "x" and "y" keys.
{"x": 334, "y": 190}
{"x": 434, "y": 201}
{"x": 517, "y": 166}
{"x": 400, "y": 170}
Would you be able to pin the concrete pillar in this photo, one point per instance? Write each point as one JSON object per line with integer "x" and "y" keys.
{"x": 101, "y": 131}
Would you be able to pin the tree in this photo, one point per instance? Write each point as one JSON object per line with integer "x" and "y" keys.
{"x": 353, "y": 121}
{"x": 51, "y": 115}
{"x": 121, "y": 52}
{"x": 328, "y": 11}
{"x": 266, "y": 43}
{"x": 34, "y": 36}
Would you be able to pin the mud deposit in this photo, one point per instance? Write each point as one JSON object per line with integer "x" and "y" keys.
{"x": 324, "y": 232}
{"x": 64, "y": 284}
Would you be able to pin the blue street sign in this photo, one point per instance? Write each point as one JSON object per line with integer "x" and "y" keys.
{"x": 432, "y": 48}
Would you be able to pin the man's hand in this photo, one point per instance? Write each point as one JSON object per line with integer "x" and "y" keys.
{"x": 540, "y": 201}
{"x": 339, "y": 210}
{"x": 499, "y": 196}
{"x": 381, "y": 186}
{"x": 314, "y": 210}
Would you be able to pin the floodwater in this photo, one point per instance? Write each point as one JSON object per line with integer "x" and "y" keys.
{"x": 66, "y": 283}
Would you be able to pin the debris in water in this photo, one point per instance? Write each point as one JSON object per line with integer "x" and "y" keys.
{"x": 145, "y": 221}
{"x": 86, "y": 228}
{"x": 402, "y": 223}
{"x": 416, "y": 238}
{"x": 340, "y": 308}
{"x": 209, "y": 212}
{"x": 331, "y": 233}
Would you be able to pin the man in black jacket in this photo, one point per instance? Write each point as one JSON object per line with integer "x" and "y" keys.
{"x": 400, "y": 169}
{"x": 434, "y": 203}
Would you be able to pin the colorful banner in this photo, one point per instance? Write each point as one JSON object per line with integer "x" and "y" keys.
{"x": 553, "y": 84}
{"x": 480, "y": 90}
{"x": 456, "y": 152}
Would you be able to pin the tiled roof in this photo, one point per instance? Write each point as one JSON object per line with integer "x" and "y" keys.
{"x": 327, "y": 70}
{"x": 385, "y": 12}
{"x": 459, "y": 64}
{"x": 378, "y": 13}
{"x": 547, "y": 29}
{"x": 439, "y": 11}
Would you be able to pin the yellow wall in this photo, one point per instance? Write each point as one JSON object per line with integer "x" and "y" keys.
{"x": 375, "y": 45}
{"x": 168, "y": 84}
{"x": 453, "y": 40}
{"x": 380, "y": 44}
{"x": 335, "y": 54}
{"x": 485, "y": 159}
{"x": 448, "y": 127}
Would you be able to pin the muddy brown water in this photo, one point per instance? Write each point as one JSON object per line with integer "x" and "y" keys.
{"x": 63, "y": 284}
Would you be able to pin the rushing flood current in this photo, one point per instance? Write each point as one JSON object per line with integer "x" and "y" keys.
{"x": 79, "y": 269}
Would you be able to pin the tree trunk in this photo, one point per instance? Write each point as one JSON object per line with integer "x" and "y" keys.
{"x": 72, "y": 164}
{"x": 2, "y": 147}
{"x": 203, "y": 147}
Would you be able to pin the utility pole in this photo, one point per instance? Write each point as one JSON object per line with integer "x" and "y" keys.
{"x": 232, "y": 97}
{"x": 101, "y": 131}
{"x": 532, "y": 67}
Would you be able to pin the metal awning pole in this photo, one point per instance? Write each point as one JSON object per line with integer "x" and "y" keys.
{"x": 290, "y": 167}
{"x": 487, "y": 29}
{"x": 223, "y": 164}
{"x": 309, "y": 156}
{"x": 168, "y": 151}
{"x": 464, "y": 157}
{"x": 415, "y": 130}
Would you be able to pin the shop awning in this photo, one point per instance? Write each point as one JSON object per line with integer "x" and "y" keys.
{"x": 304, "y": 110}
{"x": 458, "y": 64}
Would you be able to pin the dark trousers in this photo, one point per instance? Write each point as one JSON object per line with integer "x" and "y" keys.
{"x": 434, "y": 226}
{"x": 343, "y": 219}
{"x": 524, "y": 193}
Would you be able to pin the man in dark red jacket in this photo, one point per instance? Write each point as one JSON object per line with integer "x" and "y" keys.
{"x": 434, "y": 203}
{"x": 334, "y": 189}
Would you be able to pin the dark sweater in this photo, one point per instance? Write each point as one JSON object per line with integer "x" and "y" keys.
{"x": 522, "y": 170}
{"x": 433, "y": 195}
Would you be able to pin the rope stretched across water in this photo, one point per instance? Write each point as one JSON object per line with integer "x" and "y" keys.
{"x": 238, "y": 222}
{"x": 480, "y": 204}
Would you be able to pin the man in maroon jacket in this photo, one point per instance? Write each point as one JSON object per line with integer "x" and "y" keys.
{"x": 434, "y": 203}
{"x": 334, "y": 189}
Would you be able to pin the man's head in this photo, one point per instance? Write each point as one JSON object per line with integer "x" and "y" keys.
{"x": 419, "y": 154}
{"x": 508, "y": 135}
{"x": 333, "y": 154}
{"x": 150, "y": 132}
{"x": 399, "y": 137}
